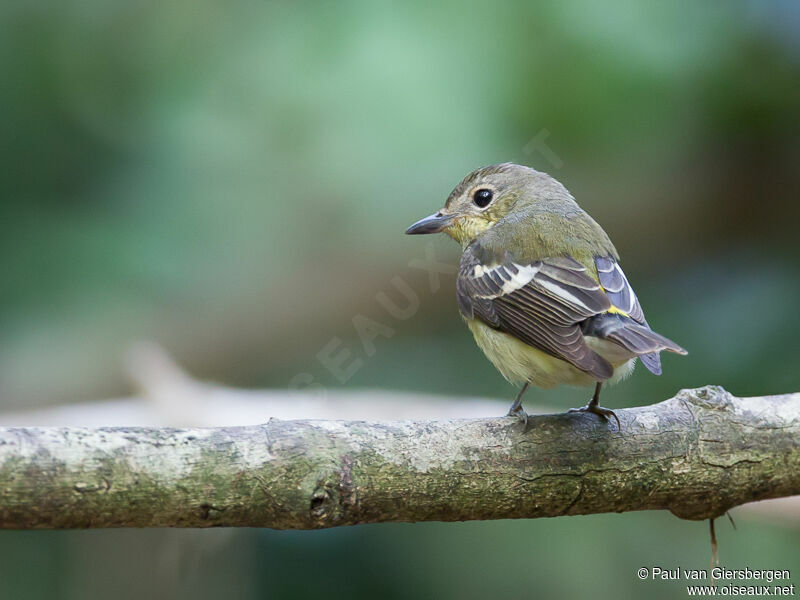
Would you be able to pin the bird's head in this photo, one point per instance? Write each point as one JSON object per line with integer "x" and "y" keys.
{"x": 490, "y": 194}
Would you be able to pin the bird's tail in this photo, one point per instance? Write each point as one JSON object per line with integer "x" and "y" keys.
{"x": 635, "y": 337}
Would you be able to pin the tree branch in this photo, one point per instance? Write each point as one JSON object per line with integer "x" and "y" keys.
{"x": 697, "y": 455}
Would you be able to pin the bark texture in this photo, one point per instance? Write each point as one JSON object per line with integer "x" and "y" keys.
{"x": 697, "y": 454}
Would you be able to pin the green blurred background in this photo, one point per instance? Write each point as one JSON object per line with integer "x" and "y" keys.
{"x": 232, "y": 180}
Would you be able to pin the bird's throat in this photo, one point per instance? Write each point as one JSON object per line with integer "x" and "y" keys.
{"x": 465, "y": 229}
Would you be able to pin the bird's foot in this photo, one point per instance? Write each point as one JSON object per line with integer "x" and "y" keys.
{"x": 520, "y": 413}
{"x": 598, "y": 410}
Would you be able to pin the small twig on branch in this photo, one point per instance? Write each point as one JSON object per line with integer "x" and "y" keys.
{"x": 697, "y": 455}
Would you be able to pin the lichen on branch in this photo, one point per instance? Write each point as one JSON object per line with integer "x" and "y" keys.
{"x": 697, "y": 454}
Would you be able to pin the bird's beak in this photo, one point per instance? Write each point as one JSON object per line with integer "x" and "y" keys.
{"x": 431, "y": 224}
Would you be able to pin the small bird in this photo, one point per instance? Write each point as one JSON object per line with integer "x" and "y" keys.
{"x": 540, "y": 286}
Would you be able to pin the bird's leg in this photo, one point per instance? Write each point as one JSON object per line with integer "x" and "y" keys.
{"x": 594, "y": 407}
{"x": 516, "y": 409}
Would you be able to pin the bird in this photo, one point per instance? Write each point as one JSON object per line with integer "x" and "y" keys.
{"x": 540, "y": 286}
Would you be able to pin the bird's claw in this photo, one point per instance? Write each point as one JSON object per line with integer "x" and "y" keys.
{"x": 598, "y": 410}
{"x": 520, "y": 413}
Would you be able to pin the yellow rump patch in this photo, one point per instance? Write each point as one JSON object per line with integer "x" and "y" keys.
{"x": 617, "y": 311}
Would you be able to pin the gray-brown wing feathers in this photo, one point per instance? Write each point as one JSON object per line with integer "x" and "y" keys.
{"x": 635, "y": 338}
{"x": 541, "y": 304}
{"x": 639, "y": 339}
{"x": 617, "y": 288}
{"x": 551, "y": 304}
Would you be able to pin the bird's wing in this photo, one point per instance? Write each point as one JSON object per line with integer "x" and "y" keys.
{"x": 618, "y": 290}
{"x": 542, "y": 303}
{"x": 616, "y": 325}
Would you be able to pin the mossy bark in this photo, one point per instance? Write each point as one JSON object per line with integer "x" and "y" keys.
{"x": 697, "y": 455}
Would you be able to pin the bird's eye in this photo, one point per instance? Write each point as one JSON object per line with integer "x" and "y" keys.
{"x": 482, "y": 197}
